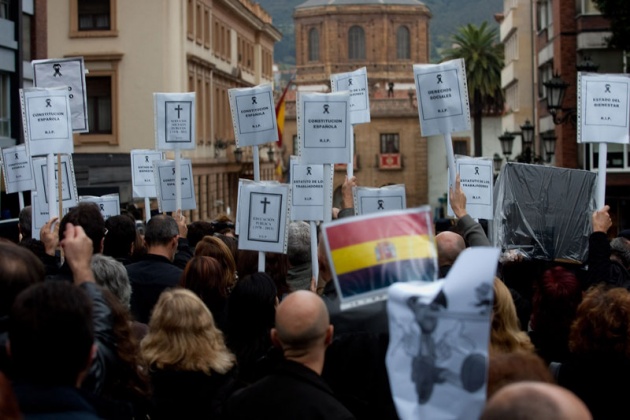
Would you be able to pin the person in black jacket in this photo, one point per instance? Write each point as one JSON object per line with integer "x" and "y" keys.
{"x": 295, "y": 389}
{"x": 608, "y": 262}
{"x": 52, "y": 330}
{"x": 155, "y": 271}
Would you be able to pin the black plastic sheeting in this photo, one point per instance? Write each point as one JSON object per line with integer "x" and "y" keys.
{"x": 544, "y": 212}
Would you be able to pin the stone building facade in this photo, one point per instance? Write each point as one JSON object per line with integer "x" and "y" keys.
{"x": 135, "y": 48}
{"x": 386, "y": 37}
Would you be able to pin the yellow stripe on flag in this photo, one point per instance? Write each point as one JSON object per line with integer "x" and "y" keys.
{"x": 280, "y": 117}
{"x": 364, "y": 255}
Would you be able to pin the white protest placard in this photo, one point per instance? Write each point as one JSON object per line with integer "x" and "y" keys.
{"x": 442, "y": 97}
{"x": 18, "y": 170}
{"x": 477, "y": 181}
{"x": 164, "y": 173}
{"x": 69, "y": 195}
{"x": 357, "y": 84}
{"x": 604, "y": 108}
{"x": 39, "y": 214}
{"x": 109, "y": 204}
{"x": 307, "y": 191}
{"x": 47, "y": 120}
{"x": 174, "y": 115}
{"x": 324, "y": 128}
{"x": 68, "y": 73}
{"x": 437, "y": 358}
{"x": 373, "y": 200}
{"x": 253, "y": 115}
{"x": 263, "y": 213}
{"x": 142, "y": 175}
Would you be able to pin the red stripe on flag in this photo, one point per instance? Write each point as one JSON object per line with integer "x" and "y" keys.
{"x": 376, "y": 228}
{"x": 278, "y": 106}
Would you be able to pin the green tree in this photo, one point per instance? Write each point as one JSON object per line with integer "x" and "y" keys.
{"x": 483, "y": 54}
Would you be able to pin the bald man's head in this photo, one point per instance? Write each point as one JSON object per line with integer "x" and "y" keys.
{"x": 535, "y": 401}
{"x": 449, "y": 246}
{"x": 302, "y": 322}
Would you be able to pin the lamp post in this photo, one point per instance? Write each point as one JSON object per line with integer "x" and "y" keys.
{"x": 496, "y": 163}
{"x": 238, "y": 155}
{"x": 507, "y": 141}
{"x": 549, "y": 141}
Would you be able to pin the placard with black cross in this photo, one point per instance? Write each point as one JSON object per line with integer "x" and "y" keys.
{"x": 265, "y": 217}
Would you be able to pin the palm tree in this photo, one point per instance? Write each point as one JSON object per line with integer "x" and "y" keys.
{"x": 483, "y": 55}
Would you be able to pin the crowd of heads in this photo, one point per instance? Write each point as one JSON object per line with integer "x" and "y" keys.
{"x": 220, "y": 316}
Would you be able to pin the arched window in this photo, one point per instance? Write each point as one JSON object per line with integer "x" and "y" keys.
{"x": 313, "y": 45}
{"x": 402, "y": 43}
{"x": 356, "y": 43}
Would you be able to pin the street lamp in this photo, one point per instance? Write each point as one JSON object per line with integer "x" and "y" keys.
{"x": 238, "y": 155}
{"x": 507, "y": 141}
{"x": 527, "y": 134}
{"x": 549, "y": 141}
{"x": 555, "y": 89}
{"x": 496, "y": 163}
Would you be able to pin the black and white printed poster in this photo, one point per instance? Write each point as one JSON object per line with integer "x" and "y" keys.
{"x": 263, "y": 216}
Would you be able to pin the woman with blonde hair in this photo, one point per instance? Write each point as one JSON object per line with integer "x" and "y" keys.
{"x": 505, "y": 334}
{"x": 191, "y": 369}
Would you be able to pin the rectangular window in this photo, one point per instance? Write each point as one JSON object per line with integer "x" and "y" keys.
{"x": 199, "y": 23}
{"x": 461, "y": 146}
{"x": 586, "y": 7}
{"x": 206, "y": 27}
{"x": 511, "y": 97}
{"x": 94, "y": 15}
{"x": 102, "y": 99}
{"x": 544, "y": 15}
{"x": 545, "y": 73}
{"x": 93, "y": 18}
{"x": 190, "y": 19}
{"x": 511, "y": 48}
{"x": 4, "y": 9}
{"x": 26, "y": 37}
{"x": 5, "y": 105}
{"x": 390, "y": 143}
{"x": 99, "y": 101}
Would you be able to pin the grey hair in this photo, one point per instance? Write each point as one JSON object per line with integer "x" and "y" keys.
{"x": 299, "y": 243}
{"x": 25, "y": 222}
{"x": 160, "y": 230}
{"x": 620, "y": 247}
{"x": 112, "y": 275}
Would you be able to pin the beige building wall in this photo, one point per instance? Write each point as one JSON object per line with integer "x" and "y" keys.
{"x": 201, "y": 46}
{"x": 150, "y": 49}
{"x": 518, "y": 75}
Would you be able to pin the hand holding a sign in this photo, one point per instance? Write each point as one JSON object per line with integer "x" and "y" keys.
{"x": 77, "y": 247}
{"x": 49, "y": 235}
{"x": 181, "y": 224}
{"x": 458, "y": 198}
{"x": 346, "y": 192}
{"x": 601, "y": 220}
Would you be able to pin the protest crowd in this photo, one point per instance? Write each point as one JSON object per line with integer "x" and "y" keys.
{"x": 179, "y": 323}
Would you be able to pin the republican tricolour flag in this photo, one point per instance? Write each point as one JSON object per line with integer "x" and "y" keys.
{"x": 280, "y": 111}
{"x": 369, "y": 253}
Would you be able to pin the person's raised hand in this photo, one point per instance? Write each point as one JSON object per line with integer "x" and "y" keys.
{"x": 49, "y": 235}
{"x": 601, "y": 220}
{"x": 457, "y": 197}
{"x": 77, "y": 248}
{"x": 181, "y": 224}
{"x": 346, "y": 192}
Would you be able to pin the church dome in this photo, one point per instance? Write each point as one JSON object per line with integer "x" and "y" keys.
{"x": 318, "y": 3}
